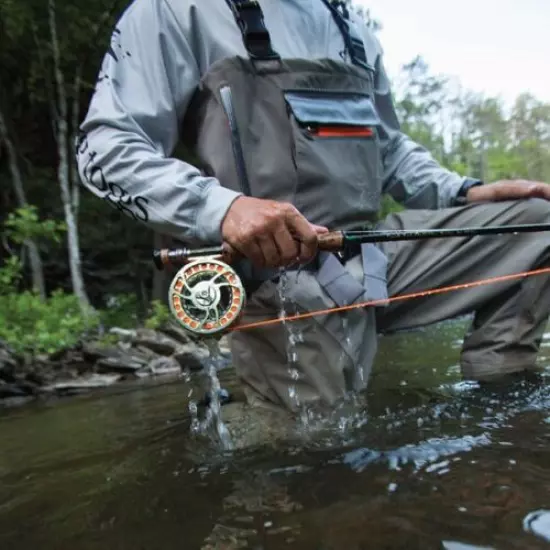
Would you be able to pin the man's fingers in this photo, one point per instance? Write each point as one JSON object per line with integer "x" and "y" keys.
{"x": 269, "y": 233}
{"x": 304, "y": 233}
{"x": 270, "y": 252}
{"x": 539, "y": 190}
{"x": 510, "y": 190}
{"x": 289, "y": 248}
{"x": 254, "y": 253}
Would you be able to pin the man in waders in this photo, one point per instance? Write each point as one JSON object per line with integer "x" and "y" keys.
{"x": 288, "y": 111}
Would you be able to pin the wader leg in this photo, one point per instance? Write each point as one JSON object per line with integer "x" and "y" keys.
{"x": 311, "y": 361}
{"x": 510, "y": 317}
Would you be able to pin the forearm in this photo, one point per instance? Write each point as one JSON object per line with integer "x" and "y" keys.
{"x": 169, "y": 195}
{"x": 415, "y": 179}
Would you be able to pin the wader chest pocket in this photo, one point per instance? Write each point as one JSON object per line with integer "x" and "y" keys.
{"x": 333, "y": 114}
{"x": 336, "y": 154}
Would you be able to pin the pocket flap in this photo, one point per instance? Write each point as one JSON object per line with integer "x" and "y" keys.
{"x": 311, "y": 107}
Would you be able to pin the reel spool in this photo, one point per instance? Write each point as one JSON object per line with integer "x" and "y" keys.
{"x": 206, "y": 296}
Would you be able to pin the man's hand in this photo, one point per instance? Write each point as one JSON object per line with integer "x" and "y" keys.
{"x": 508, "y": 190}
{"x": 271, "y": 234}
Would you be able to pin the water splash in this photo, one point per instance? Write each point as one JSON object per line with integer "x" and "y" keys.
{"x": 213, "y": 414}
{"x": 294, "y": 337}
{"x": 212, "y": 424}
{"x": 419, "y": 455}
{"x": 195, "y": 426}
{"x": 358, "y": 371}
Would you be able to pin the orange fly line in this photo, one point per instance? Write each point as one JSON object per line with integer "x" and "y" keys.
{"x": 398, "y": 298}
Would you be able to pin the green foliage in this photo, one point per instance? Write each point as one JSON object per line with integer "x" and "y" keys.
{"x": 21, "y": 225}
{"x": 25, "y": 224}
{"x": 121, "y": 311}
{"x": 472, "y": 134}
{"x": 32, "y": 326}
{"x": 107, "y": 340}
{"x": 159, "y": 315}
{"x": 10, "y": 275}
{"x": 28, "y": 323}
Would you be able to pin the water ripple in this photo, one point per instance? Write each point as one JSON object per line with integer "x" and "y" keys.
{"x": 422, "y": 454}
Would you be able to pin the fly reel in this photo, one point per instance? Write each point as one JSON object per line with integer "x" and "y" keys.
{"x": 206, "y": 296}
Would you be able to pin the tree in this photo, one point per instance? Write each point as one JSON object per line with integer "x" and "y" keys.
{"x": 37, "y": 270}
{"x": 65, "y": 131}
{"x": 372, "y": 23}
{"x": 470, "y": 133}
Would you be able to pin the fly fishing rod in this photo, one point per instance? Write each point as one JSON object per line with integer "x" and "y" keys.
{"x": 207, "y": 297}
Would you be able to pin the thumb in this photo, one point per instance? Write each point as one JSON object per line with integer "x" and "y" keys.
{"x": 319, "y": 229}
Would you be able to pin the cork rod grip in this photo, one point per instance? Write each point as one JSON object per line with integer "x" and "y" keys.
{"x": 331, "y": 242}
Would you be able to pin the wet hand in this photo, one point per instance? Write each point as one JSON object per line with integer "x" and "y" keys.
{"x": 271, "y": 234}
{"x": 509, "y": 190}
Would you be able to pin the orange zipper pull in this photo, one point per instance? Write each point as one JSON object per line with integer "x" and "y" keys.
{"x": 342, "y": 131}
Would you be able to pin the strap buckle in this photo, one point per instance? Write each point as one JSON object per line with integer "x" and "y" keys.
{"x": 250, "y": 20}
{"x": 354, "y": 43}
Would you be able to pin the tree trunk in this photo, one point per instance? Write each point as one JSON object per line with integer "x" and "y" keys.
{"x": 37, "y": 269}
{"x": 75, "y": 179}
{"x": 64, "y": 168}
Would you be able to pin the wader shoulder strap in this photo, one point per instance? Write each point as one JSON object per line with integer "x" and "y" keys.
{"x": 352, "y": 40}
{"x": 250, "y": 19}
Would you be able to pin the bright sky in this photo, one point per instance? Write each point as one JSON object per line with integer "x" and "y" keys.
{"x": 498, "y": 47}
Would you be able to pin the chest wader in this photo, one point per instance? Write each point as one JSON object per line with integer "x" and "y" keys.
{"x": 303, "y": 132}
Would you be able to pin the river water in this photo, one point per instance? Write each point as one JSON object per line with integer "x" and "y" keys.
{"x": 432, "y": 463}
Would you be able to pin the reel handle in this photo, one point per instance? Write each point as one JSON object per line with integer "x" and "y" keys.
{"x": 329, "y": 242}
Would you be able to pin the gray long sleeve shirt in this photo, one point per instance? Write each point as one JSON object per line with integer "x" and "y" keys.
{"x": 158, "y": 53}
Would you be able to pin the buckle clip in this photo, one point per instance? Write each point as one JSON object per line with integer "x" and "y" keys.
{"x": 250, "y": 20}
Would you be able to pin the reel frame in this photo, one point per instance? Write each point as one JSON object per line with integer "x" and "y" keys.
{"x": 206, "y": 296}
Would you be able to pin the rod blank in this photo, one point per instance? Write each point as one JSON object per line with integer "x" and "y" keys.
{"x": 419, "y": 234}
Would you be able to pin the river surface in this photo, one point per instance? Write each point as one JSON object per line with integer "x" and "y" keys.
{"x": 432, "y": 463}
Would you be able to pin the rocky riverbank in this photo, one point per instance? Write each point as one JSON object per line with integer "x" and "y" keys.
{"x": 122, "y": 355}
